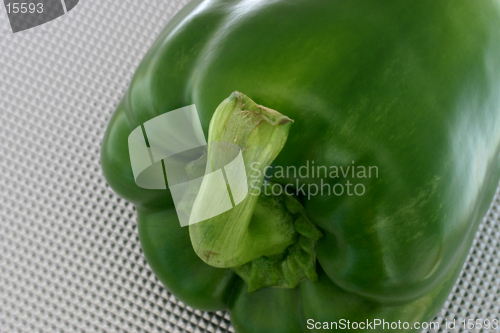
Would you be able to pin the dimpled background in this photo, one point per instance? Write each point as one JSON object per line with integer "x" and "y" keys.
{"x": 70, "y": 259}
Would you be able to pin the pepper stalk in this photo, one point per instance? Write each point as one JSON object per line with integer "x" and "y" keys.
{"x": 267, "y": 240}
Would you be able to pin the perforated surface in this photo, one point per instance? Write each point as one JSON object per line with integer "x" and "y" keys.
{"x": 70, "y": 259}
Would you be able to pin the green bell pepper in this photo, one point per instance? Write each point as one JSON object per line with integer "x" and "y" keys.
{"x": 406, "y": 90}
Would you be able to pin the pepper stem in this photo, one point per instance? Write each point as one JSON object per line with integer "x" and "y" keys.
{"x": 267, "y": 240}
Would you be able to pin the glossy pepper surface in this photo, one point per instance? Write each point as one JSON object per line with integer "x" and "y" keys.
{"x": 409, "y": 87}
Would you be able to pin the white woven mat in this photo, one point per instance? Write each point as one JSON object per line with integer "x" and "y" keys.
{"x": 70, "y": 259}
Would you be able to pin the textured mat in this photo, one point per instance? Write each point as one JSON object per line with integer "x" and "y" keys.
{"x": 70, "y": 259}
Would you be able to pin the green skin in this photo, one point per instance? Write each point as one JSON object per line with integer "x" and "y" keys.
{"x": 412, "y": 87}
